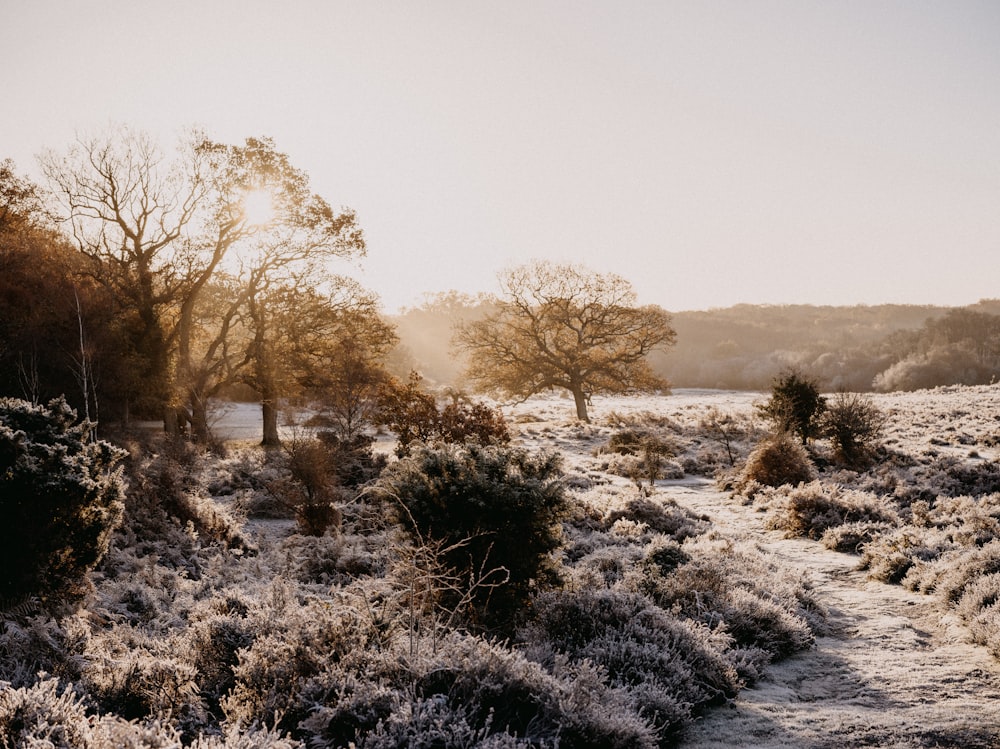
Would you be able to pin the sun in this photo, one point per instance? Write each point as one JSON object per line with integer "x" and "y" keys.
{"x": 258, "y": 207}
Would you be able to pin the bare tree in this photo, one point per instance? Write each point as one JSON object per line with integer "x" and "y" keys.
{"x": 290, "y": 245}
{"x": 128, "y": 210}
{"x": 563, "y": 326}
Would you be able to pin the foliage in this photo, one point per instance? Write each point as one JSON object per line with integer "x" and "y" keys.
{"x": 569, "y": 328}
{"x": 60, "y": 499}
{"x": 960, "y": 347}
{"x": 415, "y": 416}
{"x": 795, "y": 405}
{"x": 310, "y": 488}
{"x": 776, "y": 460}
{"x": 812, "y": 509}
{"x": 331, "y": 349}
{"x": 660, "y": 516}
{"x": 494, "y": 507}
{"x": 853, "y": 423}
{"x": 670, "y": 667}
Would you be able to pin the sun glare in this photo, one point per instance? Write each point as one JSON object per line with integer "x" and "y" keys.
{"x": 258, "y": 207}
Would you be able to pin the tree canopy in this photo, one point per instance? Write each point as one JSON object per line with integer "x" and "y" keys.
{"x": 565, "y": 327}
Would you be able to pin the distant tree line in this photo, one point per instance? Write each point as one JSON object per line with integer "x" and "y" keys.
{"x": 855, "y": 348}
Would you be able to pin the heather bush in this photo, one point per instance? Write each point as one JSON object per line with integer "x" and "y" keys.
{"x": 490, "y": 508}
{"x": 775, "y": 461}
{"x": 795, "y": 405}
{"x": 671, "y": 668}
{"x": 979, "y": 606}
{"x": 952, "y": 572}
{"x": 51, "y": 715}
{"x": 853, "y": 424}
{"x": 811, "y": 509}
{"x": 60, "y": 499}
{"x": 415, "y": 417}
{"x": 659, "y": 515}
{"x": 892, "y": 556}
{"x": 468, "y": 692}
{"x": 736, "y": 588}
{"x": 43, "y": 715}
{"x": 852, "y": 537}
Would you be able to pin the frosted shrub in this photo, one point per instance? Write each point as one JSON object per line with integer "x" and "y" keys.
{"x": 671, "y": 668}
{"x": 43, "y": 715}
{"x": 40, "y": 644}
{"x": 735, "y": 587}
{"x": 980, "y": 607}
{"x": 165, "y": 491}
{"x": 777, "y": 460}
{"x": 310, "y": 487}
{"x": 957, "y": 570}
{"x": 661, "y": 516}
{"x": 146, "y": 682}
{"x": 852, "y": 537}
{"x": 811, "y": 509}
{"x": 490, "y": 508}
{"x": 468, "y": 692}
{"x": 893, "y": 556}
{"x": 854, "y": 424}
{"x": 60, "y": 499}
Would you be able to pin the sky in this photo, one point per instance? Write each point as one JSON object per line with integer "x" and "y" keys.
{"x": 710, "y": 152}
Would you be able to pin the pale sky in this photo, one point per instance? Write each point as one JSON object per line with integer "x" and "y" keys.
{"x": 711, "y": 153}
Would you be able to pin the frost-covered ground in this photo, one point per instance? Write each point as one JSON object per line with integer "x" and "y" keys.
{"x": 212, "y": 617}
{"x": 897, "y": 668}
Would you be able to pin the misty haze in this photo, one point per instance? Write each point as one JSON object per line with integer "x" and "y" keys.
{"x": 552, "y": 375}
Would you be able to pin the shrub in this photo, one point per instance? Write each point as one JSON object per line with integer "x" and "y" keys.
{"x": 60, "y": 499}
{"x": 671, "y": 668}
{"x": 812, "y": 509}
{"x": 853, "y": 423}
{"x": 414, "y": 416}
{"x": 490, "y": 508}
{"x": 310, "y": 488}
{"x": 851, "y": 538}
{"x": 660, "y": 516}
{"x": 739, "y": 589}
{"x": 165, "y": 493}
{"x": 353, "y": 461}
{"x": 795, "y": 405}
{"x": 777, "y": 460}
{"x": 470, "y": 692}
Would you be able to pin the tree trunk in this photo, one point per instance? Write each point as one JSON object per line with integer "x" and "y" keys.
{"x": 269, "y": 411}
{"x": 199, "y": 419}
{"x": 170, "y": 423}
{"x": 581, "y": 404}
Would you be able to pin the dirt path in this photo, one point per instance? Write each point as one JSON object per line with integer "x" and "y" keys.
{"x": 895, "y": 670}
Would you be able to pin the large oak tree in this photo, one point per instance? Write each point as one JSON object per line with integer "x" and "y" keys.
{"x": 565, "y": 327}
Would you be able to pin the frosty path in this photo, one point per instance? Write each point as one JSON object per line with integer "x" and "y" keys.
{"x": 894, "y": 670}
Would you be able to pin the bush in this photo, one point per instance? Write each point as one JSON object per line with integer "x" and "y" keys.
{"x": 812, "y": 509}
{"x": 664, "y": 516}
{"x": 777, "y": 460}
{"x": 795, "y": 405}
{"x": 414, "y": 416}
{"x": 60, "y": 499}
{"x": 310, "y": 488}
{"x": 486, "y": 508}
{"x": 853, "y": 423}
{"x": 671, "y": 668}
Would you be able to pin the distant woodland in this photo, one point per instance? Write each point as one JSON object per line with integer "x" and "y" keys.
{"x": 859, "y": 348}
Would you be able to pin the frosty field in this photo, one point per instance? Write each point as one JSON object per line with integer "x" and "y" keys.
{"x": 691, "y": 611}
